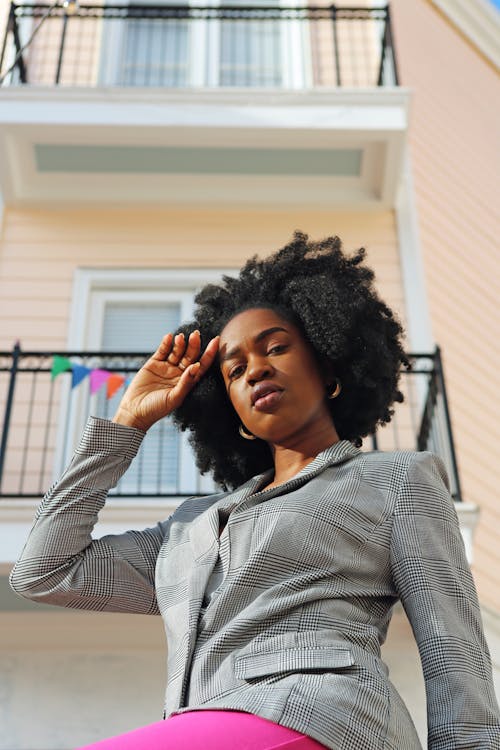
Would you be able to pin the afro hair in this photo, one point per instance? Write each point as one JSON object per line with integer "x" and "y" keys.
{"x": 331, "y": 298}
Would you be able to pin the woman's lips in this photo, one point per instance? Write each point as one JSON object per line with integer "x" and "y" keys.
{"x": 268, "y": 401}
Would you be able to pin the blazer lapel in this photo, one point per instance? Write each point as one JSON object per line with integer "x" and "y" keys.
{"x": 204, "y": 530}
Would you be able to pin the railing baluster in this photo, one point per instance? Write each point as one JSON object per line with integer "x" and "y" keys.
{"x": 446, "y": 414}
{"x": 17, "y": 43}
{"x": 388, "y": 45}
{"x": 336, "y": 45}
{"x": 380, "y": 78}
{"x": 8, "y": 30}
{"x": 61, "y": 48}
{"x": 46, "y": 437}
{"x": 8, "y": 407}
{"x": 27, "y": 434}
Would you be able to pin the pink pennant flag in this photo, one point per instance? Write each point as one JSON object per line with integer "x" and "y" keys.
{"x": 97, "y": 379}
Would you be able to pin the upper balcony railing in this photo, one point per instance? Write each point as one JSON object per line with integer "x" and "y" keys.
{"x": 261, "y": 45}
{"x": 45, "y": 413}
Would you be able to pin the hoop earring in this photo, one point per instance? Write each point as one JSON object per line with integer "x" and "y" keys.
{"x": 245, "y": 434}
{"x": 338, "y": 388}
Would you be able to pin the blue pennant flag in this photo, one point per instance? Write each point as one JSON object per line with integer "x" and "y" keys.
{"x": 79, "y": 373}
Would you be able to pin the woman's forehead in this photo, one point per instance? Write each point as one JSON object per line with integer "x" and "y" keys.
{"x": 251, "y": 322}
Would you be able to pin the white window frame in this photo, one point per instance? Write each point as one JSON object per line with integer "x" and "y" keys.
{"x": 295, "y": 51}
{"x": 114, "y": 42}
{"x": 92, "y": 288}
{"x": 204, "y": 51}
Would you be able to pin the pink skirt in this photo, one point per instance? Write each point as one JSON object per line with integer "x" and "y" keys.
{"x": 209, "y": 730}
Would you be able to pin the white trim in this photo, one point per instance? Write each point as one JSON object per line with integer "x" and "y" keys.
{"x": 419, "y": 329}
{"x": 88, "y": 280}
{"x": 296, "y": 52}
{"x": 16, "y": 520}
{"x": 491, "y": 622}
{"x": 199, "y": 62}
{"x": 468, "y": 516}
{"x": 478, "y": 20}
{"x": 324, "y": 108}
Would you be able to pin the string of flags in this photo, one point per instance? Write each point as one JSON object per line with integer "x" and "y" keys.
{"x": 97, "y": 376}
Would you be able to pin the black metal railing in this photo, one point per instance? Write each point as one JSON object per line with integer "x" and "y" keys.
{"x": 44, "y": 416}
{"x": 169, "y": 45}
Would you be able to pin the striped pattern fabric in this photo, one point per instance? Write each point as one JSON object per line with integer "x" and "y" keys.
{"x": 311, "y": 570}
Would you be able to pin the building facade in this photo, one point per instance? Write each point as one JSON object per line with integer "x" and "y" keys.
{"x": 145, "y": 153}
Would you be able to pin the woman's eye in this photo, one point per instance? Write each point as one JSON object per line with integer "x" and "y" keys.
{"x": 236, "y": 372}
{"x": 277, "y": 349}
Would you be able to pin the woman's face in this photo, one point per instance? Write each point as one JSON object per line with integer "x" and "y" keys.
{"x": 272, "y": 377}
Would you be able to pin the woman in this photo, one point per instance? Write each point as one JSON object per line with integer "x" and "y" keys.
{"x": 277, "y": 593}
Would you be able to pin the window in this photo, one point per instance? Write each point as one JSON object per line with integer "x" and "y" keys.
{"x": 137, "y": 325}
{"x": 127, "y": 312}
{"x": 172, "y": 52}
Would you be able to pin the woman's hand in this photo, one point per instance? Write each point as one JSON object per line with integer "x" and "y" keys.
{"x": 163, "y": 383}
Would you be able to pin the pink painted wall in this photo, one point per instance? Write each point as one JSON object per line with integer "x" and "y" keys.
{"x": 454, "y": 143}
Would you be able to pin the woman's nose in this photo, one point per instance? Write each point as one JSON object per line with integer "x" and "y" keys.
{"x": 258, "y": 368}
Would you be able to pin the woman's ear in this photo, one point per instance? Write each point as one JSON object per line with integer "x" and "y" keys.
{"x": 328, "y": 372}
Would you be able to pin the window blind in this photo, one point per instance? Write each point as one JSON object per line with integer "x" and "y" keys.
{"x": 139, "y": 327}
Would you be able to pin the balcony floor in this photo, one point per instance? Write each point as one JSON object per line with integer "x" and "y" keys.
{"x": 325, "y": 148}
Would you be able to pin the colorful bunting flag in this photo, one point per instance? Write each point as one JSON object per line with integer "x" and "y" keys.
{"x": 97, "y": 376}
{"x": 97, "y": 379}
{"x": 114, "y": 383}
{"x": 60, "y": 364}
{"x": 79, "y": 373}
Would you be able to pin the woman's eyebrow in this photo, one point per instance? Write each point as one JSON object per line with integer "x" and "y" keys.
{"x": 268, "y": 332}
{"x": 262, "y": 335}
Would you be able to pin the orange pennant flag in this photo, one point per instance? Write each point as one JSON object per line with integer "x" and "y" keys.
{"x": 113, "y": 383}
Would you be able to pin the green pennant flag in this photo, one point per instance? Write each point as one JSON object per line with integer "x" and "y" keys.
{"x": 59, "y": 364}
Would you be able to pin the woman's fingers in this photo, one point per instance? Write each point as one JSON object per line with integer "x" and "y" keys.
{"x": 182, "y": 354}
{"x": 177, "y": 350}
{"x": 192, "y": 351}
{"x": 164, "y": 349}
{"x": 195, "y": 370}
{"x": 166, "y": 379}
{"x": 209, "y": 355}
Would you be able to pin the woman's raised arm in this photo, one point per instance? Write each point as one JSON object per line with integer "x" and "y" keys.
{"x": 61, "y": 564}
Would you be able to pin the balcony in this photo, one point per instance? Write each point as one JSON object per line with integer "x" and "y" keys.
{"x": 245, "y": 45}
{"x": 231, "y": 104}
{"x": 44, "y": 417}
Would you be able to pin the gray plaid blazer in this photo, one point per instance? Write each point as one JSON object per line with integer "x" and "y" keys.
{"x": 312, "y": 570}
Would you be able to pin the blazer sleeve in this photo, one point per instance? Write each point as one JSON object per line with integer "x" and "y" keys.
{"x": 61, "y": 564}
{"x": 434, "y": 582}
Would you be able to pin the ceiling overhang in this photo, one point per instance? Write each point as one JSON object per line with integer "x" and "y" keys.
{"x": 318, "y": 148}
